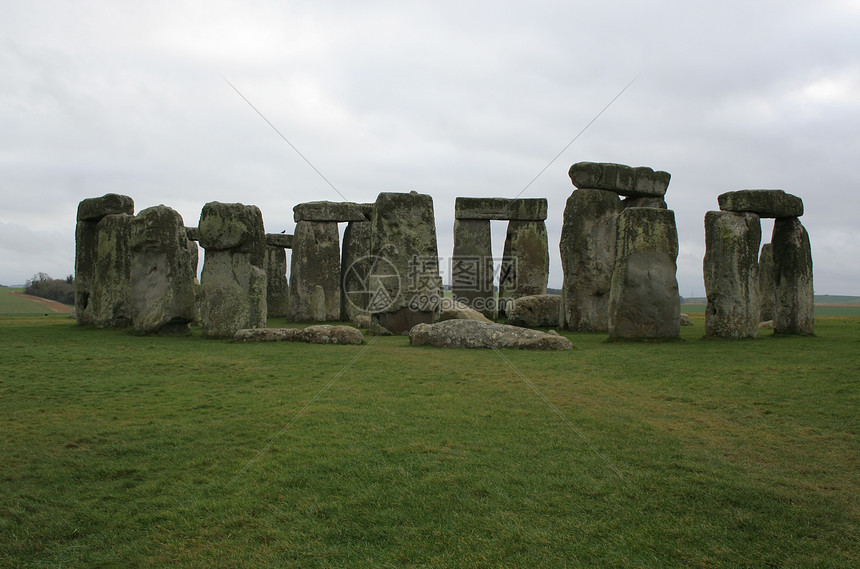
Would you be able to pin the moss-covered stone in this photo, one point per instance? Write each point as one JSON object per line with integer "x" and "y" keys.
{"x": 792, "y": 260}
{"x": 94, "y": 209}
{"x": 315, "y": 272}
{"x": 472, "y": 265}
{"x": 732, "y": 274}
{"x": 163, "y": 273}
{"x": 588, "y": 240}
{"x": 644, "y": 302}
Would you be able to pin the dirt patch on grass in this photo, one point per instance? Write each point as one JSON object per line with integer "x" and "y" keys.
{"x": 55, "y": 306}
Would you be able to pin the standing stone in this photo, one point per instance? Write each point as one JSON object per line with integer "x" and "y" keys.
{"x": 644, "y": 302}
{"x": 277, "y": 286}
{"x": 90, "y": 212}
{"x": 731, "y": 274}
{"x": 355, "y": 269}
{"x": 233, "y": 279}
{"x": 110, "y": 299}
{"x": 472, "y": 265}
{"x": 315, "y": 272}
{"x": 588, "y": 239}
{"x": 525, "y": 262}
{"x": 404, "y": 281}
{"x": 162, "y": 273}
{"x": 766, "y": 283}
{"x": 792, "y": 260}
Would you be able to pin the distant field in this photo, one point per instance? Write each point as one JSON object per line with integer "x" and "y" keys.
{"x": 12, "y": 305}
{"x": 820, "y": 309}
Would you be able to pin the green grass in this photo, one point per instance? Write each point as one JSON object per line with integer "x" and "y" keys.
{"x": 127, "y": 451}
{"x": 11, "y": 305}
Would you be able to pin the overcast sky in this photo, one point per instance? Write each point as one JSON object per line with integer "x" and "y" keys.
{"x": 446, "y": 98}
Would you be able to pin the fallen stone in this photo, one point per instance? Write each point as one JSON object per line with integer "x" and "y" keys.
{"x": 644, "y": 302}
{"x": 619, "y": 178}
{"x": 457, "y": 310}
{"x": 686, "y": 320}
{"x": 764, "y": 203}
{"x": 332, "y": 211}
{"x": 473, "y": 334}
{"x": 731, "y": 274}
{"x": 520, "y": 209}
{"x": 541, "y": 310}
{"x": 361, "y": 321}
{"x": 588, "y": 240}
{"x": 318, "y": 334}
{"x": 765, "y": 325}
{"x": 93, "y": 209}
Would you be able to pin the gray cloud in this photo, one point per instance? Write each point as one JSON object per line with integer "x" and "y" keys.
{"x": 446, "y": 98}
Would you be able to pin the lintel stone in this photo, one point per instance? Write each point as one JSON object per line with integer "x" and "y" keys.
{"x": 332, "y": 211}
{"x": 619, "y": 178}
{"x": 521, "y": 209}
{"x": 764, "y": 203}
{"x": 282, "y": 240}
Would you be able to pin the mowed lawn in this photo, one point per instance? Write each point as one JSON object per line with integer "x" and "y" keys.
{"x": 126, "y": 451}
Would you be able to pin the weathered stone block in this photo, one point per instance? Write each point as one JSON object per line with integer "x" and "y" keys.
{"x": 86, "y": 245}
{"x": 162, "y": 273}
{"x": 355, "y": 266}
{"x": 644, "y": 302}
{"x": 520, "y": 209}
{"x": 192, "y": 233}
{"x": 404, "y": 281}
{"x": 792, "y": 260}
{"x": 234, "y": 294}
{"x": 315, "y": 272}
{"x": 110, "y": 298}
{"x": 474, "y": 334}
{"x": 767, "y": 283}
{"x": 525, "y": 262}
{"x": 472, "y": 266}
{"x": 540, "y": 310}
{"x": 332, "y": 211}
{"x": 764, "y": 203}
{"x": 731, "y": 274}
{"x": 233, "y": 280}
{"x": 280, "y": 240}
{"x": 233, "y": 227}
{"x": 619, "y": 178}
{"x": 588, "y": 240}
{"x": 659, "y": 203}
{"x": 277, "y": 286}
{"x": 93, "y": 209}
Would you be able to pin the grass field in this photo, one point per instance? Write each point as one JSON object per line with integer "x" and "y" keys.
{"x": 11, "y": 305}
{"x": 127, "y": 451}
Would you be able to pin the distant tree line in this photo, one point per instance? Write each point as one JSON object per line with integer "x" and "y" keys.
{"x": 43, "y": 286}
